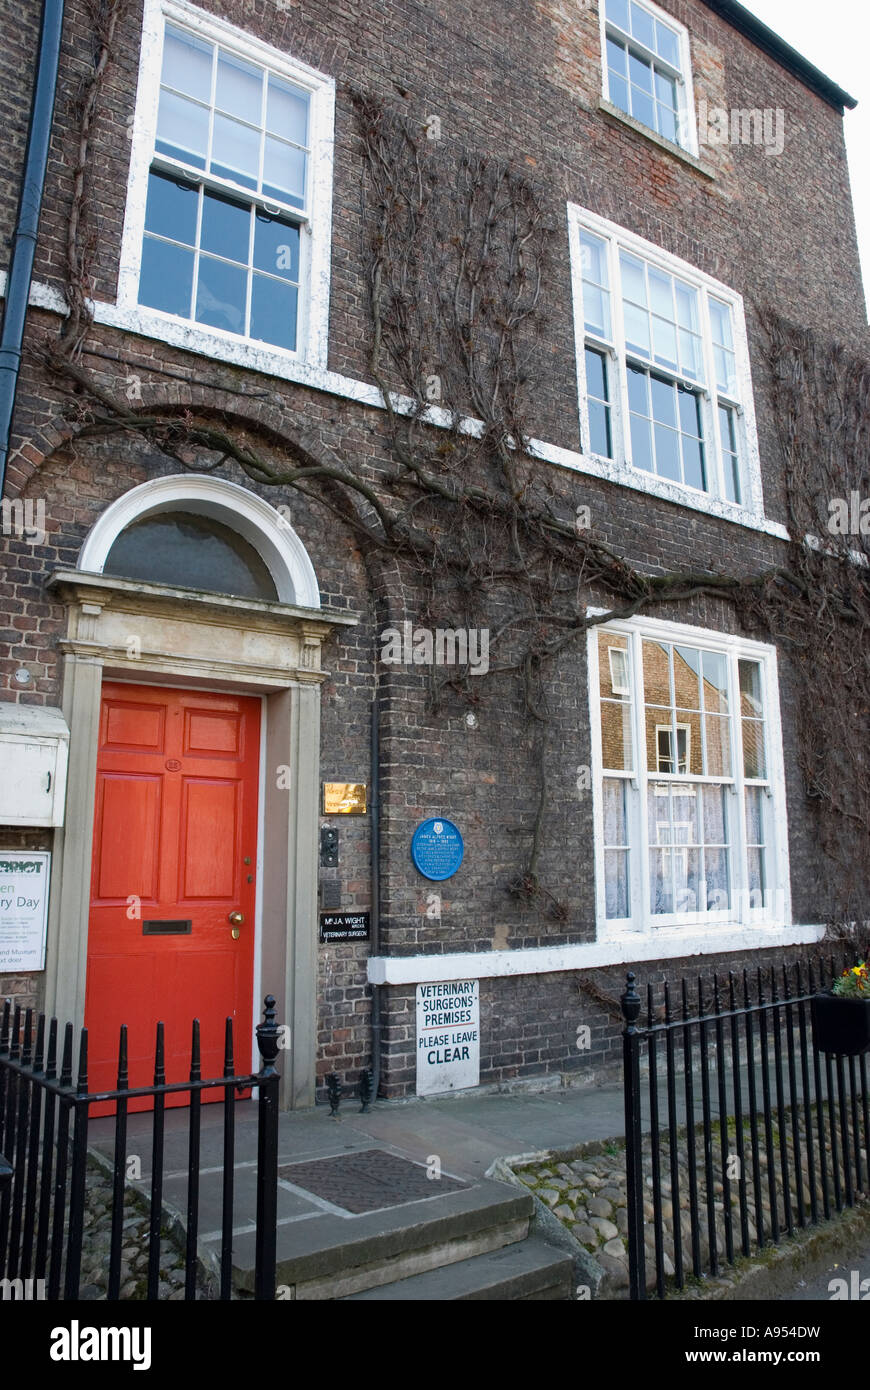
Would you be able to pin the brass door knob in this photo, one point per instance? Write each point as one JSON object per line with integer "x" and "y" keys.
{"x": 236, "y": 920}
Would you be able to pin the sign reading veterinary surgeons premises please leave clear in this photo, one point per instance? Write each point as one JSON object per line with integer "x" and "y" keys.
{"x": 448, "y": 1036}
{"x": 23, "y": 909}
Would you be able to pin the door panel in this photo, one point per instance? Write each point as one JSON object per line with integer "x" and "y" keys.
{"x": 175, "y": 839}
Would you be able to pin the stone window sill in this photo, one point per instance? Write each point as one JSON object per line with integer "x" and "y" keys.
{"x": 655, "y": 139}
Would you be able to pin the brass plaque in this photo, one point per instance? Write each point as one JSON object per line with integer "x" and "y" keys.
{"x": 344, "y": 798}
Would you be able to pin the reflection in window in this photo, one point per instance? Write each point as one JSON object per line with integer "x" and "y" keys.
{"x": 182, "y": 548}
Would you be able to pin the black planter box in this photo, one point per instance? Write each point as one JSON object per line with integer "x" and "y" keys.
{"x": 841, "y": 1026}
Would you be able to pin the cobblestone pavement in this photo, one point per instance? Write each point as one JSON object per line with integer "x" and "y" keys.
{"x": 134, "y": 1247}
{"x": 586, "y": 1191}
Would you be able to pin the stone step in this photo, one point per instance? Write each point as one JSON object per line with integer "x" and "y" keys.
{"x": 530, "y": 1269}
{"x": 332, "y": 1257}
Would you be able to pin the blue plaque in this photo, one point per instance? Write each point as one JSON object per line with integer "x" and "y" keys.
{"x": 437, "y": 848}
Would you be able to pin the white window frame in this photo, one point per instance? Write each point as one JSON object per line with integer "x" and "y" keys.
{"x": 690, "y": 929}
{"x": 687, "y": 126}
{"x": 620, "y": 467}
{"x": 315, "y": 224}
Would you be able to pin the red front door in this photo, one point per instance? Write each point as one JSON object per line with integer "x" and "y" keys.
{"x": 175, "y": 850}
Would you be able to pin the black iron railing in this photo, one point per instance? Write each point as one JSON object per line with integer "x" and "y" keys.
{"x": 45, "y": 1113}
{"x": 738, "y": 1130}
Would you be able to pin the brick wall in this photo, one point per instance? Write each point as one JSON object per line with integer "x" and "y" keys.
{"x": 521, "y": 82}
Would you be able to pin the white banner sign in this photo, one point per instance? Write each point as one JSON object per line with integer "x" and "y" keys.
{"x": 23, "y": 909}
{"x": 448, "y": 1036}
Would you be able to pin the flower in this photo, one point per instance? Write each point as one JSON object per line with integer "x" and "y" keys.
{"x": 854, "y": 983}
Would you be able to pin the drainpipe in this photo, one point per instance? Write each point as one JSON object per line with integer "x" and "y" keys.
{"x": 375, "y": 807}
{"x": 27, "y": 225}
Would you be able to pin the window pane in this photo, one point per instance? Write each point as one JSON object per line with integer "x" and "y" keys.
{"x": 667, "y": 453}
{"x": 754, "y": 816}
{"x": 593, "y": 259}
{"x": 690, "y": 893}
{"x": 633, "y": 278}
{"x": 226, "y": 228}
{"x": 595, "y": 311}
{"x": 716, "y": 727}
{"x": 220, "y": 295}
{"x": 641, "y": 444}
{"x": 616, "y": 883}
{"x": 273, "y": 312}
{"x": 187, "y": 64}
{"x": 656, "y": 674}
{"x": 664, "y": 405}
{"x": 615, "y": 812}
{"x": 661, "y": 897}
{"x": 666, "y": 91}
{"x": 751, "y": 699}
{"x": 715, "y": 682}
{"x": 718, "y": 889}
{"x": 616, "y": 735}
{"x": 665, "y": 342}
{"x": 637, "y": 330}
{"x": 694, "y": 474}
{"x": 661, "y": 294}
{"x": 691, "y": 357}
{"x": 720, "y": 319}
{"x": 287, "y": 111}
{"x": 753, "y": 748}
{"x": 239, "y": 89}
{"x": 638, "y": 391}
{"x": 613, "y": 670}
{"x": 171, "y": 209}
{"x": 166, "y": 277}
{"x": 663, "y": 401}
{"x": 284, "y": 171}
{"x": 235, "y": 151}
{"x": 194, "y": 551}
{"x": 618, "y": 89}
{"x": 596, "y": 382}
{"x": 276, "y": 246}
{"x": 755, "y": 864}
{"x": 667, "y": 122}
{"x": 599, "y": 430}
{"x": 643, "y": 25}
{"x": 667, "y": 44}
{"x": 730, "y": 460}
{"x": 689, "y": 418}
{"x": 726, "y": 377}
{"x": 713, "y": 815}
{"x": 617, "y": 11}
{"x": 182, "y": 129}
{"x": 643, "y": 107}
{"x": 687, "y": 306}
{"x": 687, "y": 667}
{"x": 617, "y": 59}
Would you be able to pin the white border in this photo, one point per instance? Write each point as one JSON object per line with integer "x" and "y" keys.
{"x": 592, "y": 955}
{"x": 315, "y": 232}
{"x": 619, "y": 470}
{"x": 273, "y": 538}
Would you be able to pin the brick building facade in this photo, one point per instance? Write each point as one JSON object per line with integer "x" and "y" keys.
{"x": 665, "y": 243}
